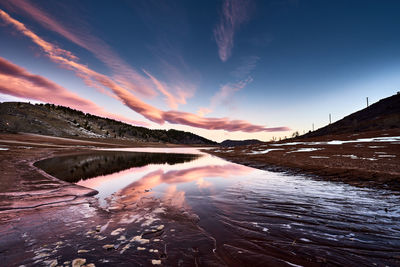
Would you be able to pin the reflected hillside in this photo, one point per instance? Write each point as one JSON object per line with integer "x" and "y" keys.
{"x": 74, "y": 168}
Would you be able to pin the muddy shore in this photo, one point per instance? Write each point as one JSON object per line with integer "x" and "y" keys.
{"x": 357, "y": 160}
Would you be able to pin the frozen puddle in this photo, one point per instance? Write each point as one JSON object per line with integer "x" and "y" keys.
{"x": 308, "y": 149}
{"x": 350, "y": 156}
{"x": 264, "y": 151}
{"x": 355, "y": 157}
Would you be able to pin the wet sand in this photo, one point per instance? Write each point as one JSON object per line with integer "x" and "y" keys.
{"x": 364, "y": 163}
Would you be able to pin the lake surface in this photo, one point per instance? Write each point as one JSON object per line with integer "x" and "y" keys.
{"x": 197, "y": 209}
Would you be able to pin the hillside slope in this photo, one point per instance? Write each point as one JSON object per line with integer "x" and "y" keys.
{"x": 49, "y": 119}
{"x": 383, "y": 115}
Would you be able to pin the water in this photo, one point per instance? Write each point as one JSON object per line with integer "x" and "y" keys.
{"x": 213, "y": 212}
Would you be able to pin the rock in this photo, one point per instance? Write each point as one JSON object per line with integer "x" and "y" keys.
{"x": 83, "y": 251}
{"x": 90, "y": 265}
{"x": 122, "y": 238}
{"x": 51, "y": 263}
{"x": 117, "y": 231}
{"x": 141, "y": 248}
{"x": 67, "y": 262}
{"x": 108, "y": 247}
{"x": 159, "y": 210}
{"x": 127, "y": 246}
{"x": 156, "y": 262}
{"x": 41, "y": 255}
{"x": 160, "y": 227}
{"x": 99, "y": 237}
{"x": 140, "y": 240}
{"x": 156, "y": 240}
{"x": 78, "y": 262}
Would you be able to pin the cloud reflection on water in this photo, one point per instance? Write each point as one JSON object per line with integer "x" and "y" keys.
{"x": 166, "y": 180}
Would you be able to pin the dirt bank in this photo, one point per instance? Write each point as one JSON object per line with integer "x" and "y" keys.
{"x": 369, "y": 159}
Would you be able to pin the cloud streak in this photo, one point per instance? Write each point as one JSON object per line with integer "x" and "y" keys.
{"x": 173, "y": 101}
{"x": 124, "y": 75}
{"x": 69, "y": 61}
{"x": 18, "y": 82}
{"x": 224, "y": 93}
{"x": 247, "y": 65}
{"x": 234, "y": 13}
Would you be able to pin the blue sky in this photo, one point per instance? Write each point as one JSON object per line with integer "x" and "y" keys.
{"x": 222, "y": 69}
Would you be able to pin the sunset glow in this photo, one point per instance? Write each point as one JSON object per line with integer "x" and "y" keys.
{"x": 164, "y": 80}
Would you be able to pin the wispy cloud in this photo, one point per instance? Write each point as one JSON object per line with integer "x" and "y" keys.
{"x": 247, "y": 65}
{"x": 123, "y": 74}
{"x": 226, "y": 91}
{"x": 172, "y": 100}
{"x": 224, "y": 94}
{"x": 18, "y": 82}
{"x": 234, "y": 13}
{"x": 152, "y": 113}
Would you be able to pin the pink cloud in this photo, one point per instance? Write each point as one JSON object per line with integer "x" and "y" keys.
{"x": 172, "y": 100}
{"x": 66, "y": 59}
{"x": 125, "y": 75}
{"x": 234, "y": 13}
{"x": 18, "y": 82}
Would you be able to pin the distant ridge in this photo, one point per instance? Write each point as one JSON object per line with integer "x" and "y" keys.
{"x": 240, "y": 142}
{"x": 383, "y": 115}
{"x": 53, "y": 120}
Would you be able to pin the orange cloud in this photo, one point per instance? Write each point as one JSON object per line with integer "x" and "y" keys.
{"x": 125, "y": 75}
{"x": 18, "y": 82}
{"x": 68, "y": 60}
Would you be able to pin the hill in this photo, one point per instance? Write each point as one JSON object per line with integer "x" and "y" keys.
{"x": 382, "y": 115}
{"x": 240, "y": 142}
{"x": 53, "y": 120}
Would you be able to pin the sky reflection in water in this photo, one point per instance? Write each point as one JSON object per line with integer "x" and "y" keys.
{"x": 249, "y": 212}
{"x": 166, "y": 181}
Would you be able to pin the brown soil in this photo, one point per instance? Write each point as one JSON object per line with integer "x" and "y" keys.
{"x": 371, "y": 164}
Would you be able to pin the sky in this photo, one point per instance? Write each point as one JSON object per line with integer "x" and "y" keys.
{"x": 230, "y": 69}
